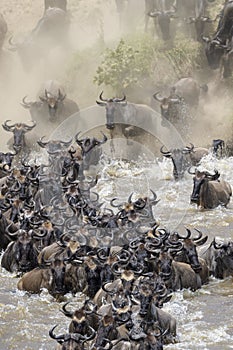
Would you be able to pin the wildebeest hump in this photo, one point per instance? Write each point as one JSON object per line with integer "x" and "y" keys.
{"x": 189, "y": 89}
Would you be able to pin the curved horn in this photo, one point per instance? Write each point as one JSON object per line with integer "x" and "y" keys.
{"x": 13, "y": 47}
{"x": 67, "y": 143}
{"x": 200, "y": 234}
{"x": 130, "y": 198}
{"x": 214, "y": 176}
{"x": 111, "y": 292}
{"x": 28, "y": 127}
{"x": 61, "y": 97}
{"x": 65, "y": 311}
{"x": 157, "y": 97}
{"x": 26, "y": 104}
{"x": 101, "y": 97}
{"x": 154, "y": 14}
{"x": 105, "y": 139}
{"x": 190, "y": 171}
{"x": 187, "y": 236}
{"x": 42, "y": 143}
{"x": 114, "y": 205}
{"x": 8, "y": 127}
{"x": 56, "y": 337}
{"x": 165, "y": 153}
{"x": 120, "y": 99}
{"x": 11, "y": 234}
{"x": 217, "y": 245}
{"x": 153, "y": 199}
{"x": 188, "y": 149}
{"x": 205, "y": 39}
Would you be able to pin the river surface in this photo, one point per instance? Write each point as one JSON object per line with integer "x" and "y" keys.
{"x": 204, "y": 318}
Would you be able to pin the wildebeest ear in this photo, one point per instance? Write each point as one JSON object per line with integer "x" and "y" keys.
{"x": 202, "y": 241}
{"x": 43, "y": 99}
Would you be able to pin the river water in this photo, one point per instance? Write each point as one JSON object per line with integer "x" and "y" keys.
{"x": 204, "y": 318}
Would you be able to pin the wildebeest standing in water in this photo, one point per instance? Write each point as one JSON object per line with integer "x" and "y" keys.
{"x": 180, "y": 107}
{"x": 130, "y": 120}
{"x": 19, "y": 142}
{"x": 52, "y": 108}
{"x": 50, "y": 32}
{"x": 208, "y": 191}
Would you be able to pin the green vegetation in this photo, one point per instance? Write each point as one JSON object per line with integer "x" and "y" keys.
{"x": 142, "y": 61}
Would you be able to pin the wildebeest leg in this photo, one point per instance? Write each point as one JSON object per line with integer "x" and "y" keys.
{"x": 112, "y": 148}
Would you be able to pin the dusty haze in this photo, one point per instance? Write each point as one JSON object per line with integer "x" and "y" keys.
{"x": 92, "y": 21}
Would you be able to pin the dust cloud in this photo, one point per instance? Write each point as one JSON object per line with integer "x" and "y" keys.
{"x": 92, "y": 22}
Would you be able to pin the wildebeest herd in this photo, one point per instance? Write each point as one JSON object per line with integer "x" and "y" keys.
{"x": 55, "y": 232}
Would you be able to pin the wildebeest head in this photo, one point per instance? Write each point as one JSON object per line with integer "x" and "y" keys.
{"x": 214, "y": 51}
{"x": 54, "y": 147}
{"x": 24, "y": 252}
{"x": 113, "y": 109}
{"x": 52, "y": 101}
{"x": 57, "y": 269}
{"x": 72, "y": 340}
{"x": 164, "y": 20}
{"x": 49, "y": 32}
{"x": 199, "y": 23}
{"x": 198, "y": 180}
{"x": 165, "y": 265}
{"x": 167, "y": 104}
{"x": 218, "y": 144}
{"x": 188, "y": 254}
{"x": 19, "y": 130}
{"x": 6, "y": 160}
{"x": 180, "y": 159}
{"x": 224, "y": 259}
{"x": 219, "y": 257}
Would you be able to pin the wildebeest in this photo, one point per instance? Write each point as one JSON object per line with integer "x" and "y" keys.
{"x": 180, "y": 107}
{"x": 21, "y": 255}
{"x": 218, "y": 46}
{"x": 130, "y": 120}
{"x": 52, "y": 108}
{"x": 218, "y": 146}
{"x": 50, "y": 32}
{"x": 183, "y": 158}
{"x": 223, "y": 31}
{"x": 194, "y": 12}
{"x": 19, "y": 130}
{"x": 190, "y": 90}
{"x": 219, "y": 258}
{"x": 185, "y": 91}
{"x": 51, "y": 275}
{"x": 150, "y": 5}
{"x": 189, "y": 254}
{"x": 3, "y": 30}
{"x": 90, "y": 150}
{"x": 71, "y": 341}
{"x": 130, "y": 115}
{"x": 210, "y": 192}
{"x": 6, "y": 162}
{"x": 164, "y": 11}
{"x": 177, "y": 275}
{"x": 5, "y": 239}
